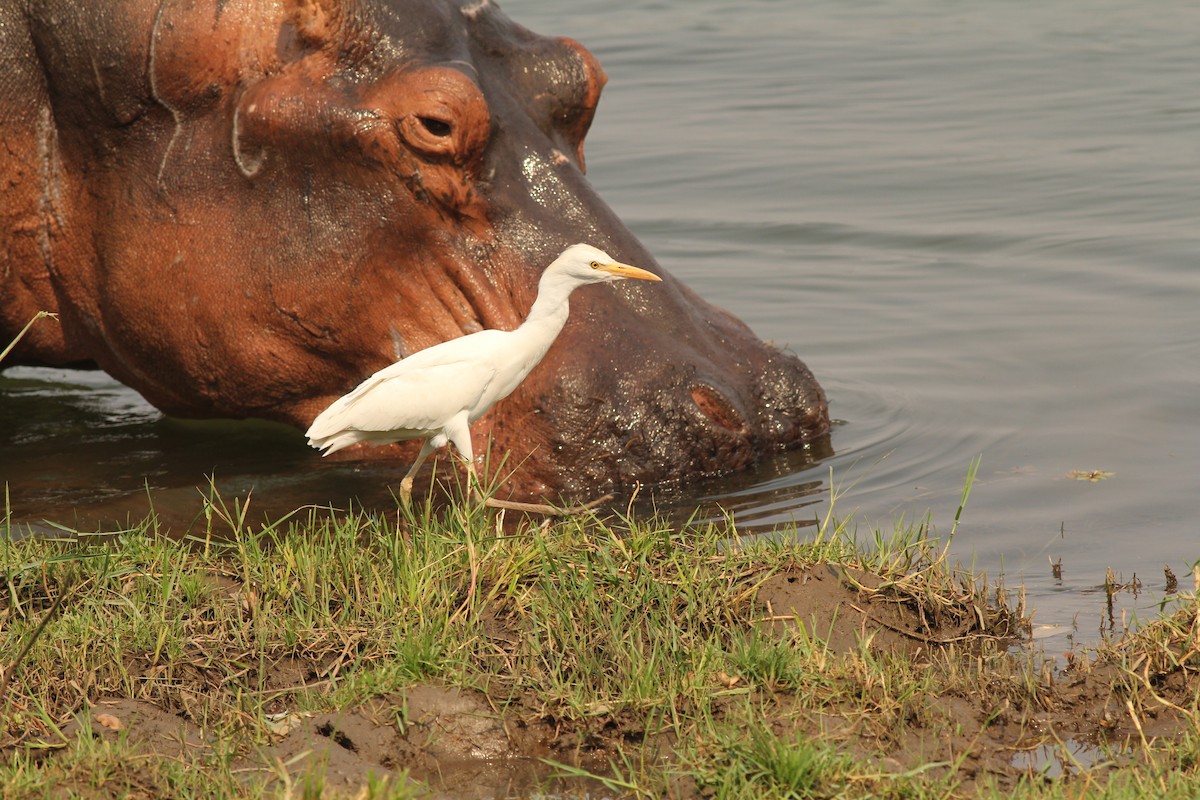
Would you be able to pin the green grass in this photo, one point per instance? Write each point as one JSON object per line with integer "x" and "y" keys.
{"x": 640, "y": 640}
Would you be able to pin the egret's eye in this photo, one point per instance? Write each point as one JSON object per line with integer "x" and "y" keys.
{"x": 595, "y": 265}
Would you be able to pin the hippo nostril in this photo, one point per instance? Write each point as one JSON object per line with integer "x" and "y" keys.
{"x": 717, "y": 408}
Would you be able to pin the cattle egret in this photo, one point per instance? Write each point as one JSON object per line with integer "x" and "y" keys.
{"x": 435, "y": 394}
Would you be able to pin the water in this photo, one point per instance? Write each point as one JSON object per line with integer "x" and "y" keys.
{"x": 976, "y": 221}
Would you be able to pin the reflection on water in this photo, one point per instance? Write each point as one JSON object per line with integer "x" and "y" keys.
{"x": 86, "y": 452}
{"x": 977, "y": 225}
{"x": 89, "y": 453}
{"x": 1056, "y": 759}
{"x": 757, "y": 500}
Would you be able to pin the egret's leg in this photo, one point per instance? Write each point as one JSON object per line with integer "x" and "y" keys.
{"x": 459, "y": 432}
{"x": 427, "y": 447}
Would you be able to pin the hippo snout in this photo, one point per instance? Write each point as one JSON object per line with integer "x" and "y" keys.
{"x": 661, "y": 417}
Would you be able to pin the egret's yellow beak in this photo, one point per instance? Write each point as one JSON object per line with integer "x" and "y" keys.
{"x": 626, "y": 271}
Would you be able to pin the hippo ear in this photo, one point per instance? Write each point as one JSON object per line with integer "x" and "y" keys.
{"x": 316, "y": 21}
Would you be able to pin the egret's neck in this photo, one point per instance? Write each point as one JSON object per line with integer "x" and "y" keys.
{"x": 545, "y": 321}
{"x": 550, "y": 309}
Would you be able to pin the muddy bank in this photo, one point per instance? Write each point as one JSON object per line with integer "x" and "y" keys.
{"x": 474, "y": 743}
{"x": 360, "y": 656}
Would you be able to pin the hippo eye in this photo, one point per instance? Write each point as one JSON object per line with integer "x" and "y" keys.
{"x": 437, "y": 127}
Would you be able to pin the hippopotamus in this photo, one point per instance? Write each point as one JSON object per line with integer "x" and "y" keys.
{"x": 241, "y": 208}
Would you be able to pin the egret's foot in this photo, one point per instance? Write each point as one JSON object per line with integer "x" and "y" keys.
{"x": 541, "y": 508}
{"x": 406, "y": 492}
{"x": 475, "y": 492}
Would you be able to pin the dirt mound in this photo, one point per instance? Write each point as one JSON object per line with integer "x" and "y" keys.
{"x": 466, "y": 743}
{"x": 844, "y": 606}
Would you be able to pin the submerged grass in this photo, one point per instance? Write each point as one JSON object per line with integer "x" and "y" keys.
{"x": 629, "y": 648}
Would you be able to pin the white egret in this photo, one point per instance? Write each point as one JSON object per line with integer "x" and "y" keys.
{"x": 435, "y": 394}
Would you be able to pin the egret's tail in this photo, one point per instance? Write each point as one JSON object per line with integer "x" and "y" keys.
{"x": 331, "y": 444}
{"x": 328, "y": 436}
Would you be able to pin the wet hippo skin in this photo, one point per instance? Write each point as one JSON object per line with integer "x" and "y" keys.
{"x": 241, "y": 208}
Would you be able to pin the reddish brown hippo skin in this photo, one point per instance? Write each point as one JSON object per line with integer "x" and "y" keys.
{"x": 240, "y": 208}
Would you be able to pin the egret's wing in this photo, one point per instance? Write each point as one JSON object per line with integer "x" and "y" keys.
{"x": 478, "y": 349}
{"x": 420, "y": 401}
{"x": 410, "y": 396}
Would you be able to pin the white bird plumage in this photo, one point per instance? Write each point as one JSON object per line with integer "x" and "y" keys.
{"x": 435, "y": 394}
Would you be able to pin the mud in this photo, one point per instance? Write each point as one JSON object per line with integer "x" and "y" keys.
{"x": 448, "y": 739}
{"x": 463, "y": 743}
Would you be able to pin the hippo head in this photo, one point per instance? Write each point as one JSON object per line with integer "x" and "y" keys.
{"x": 301, "y": 192}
